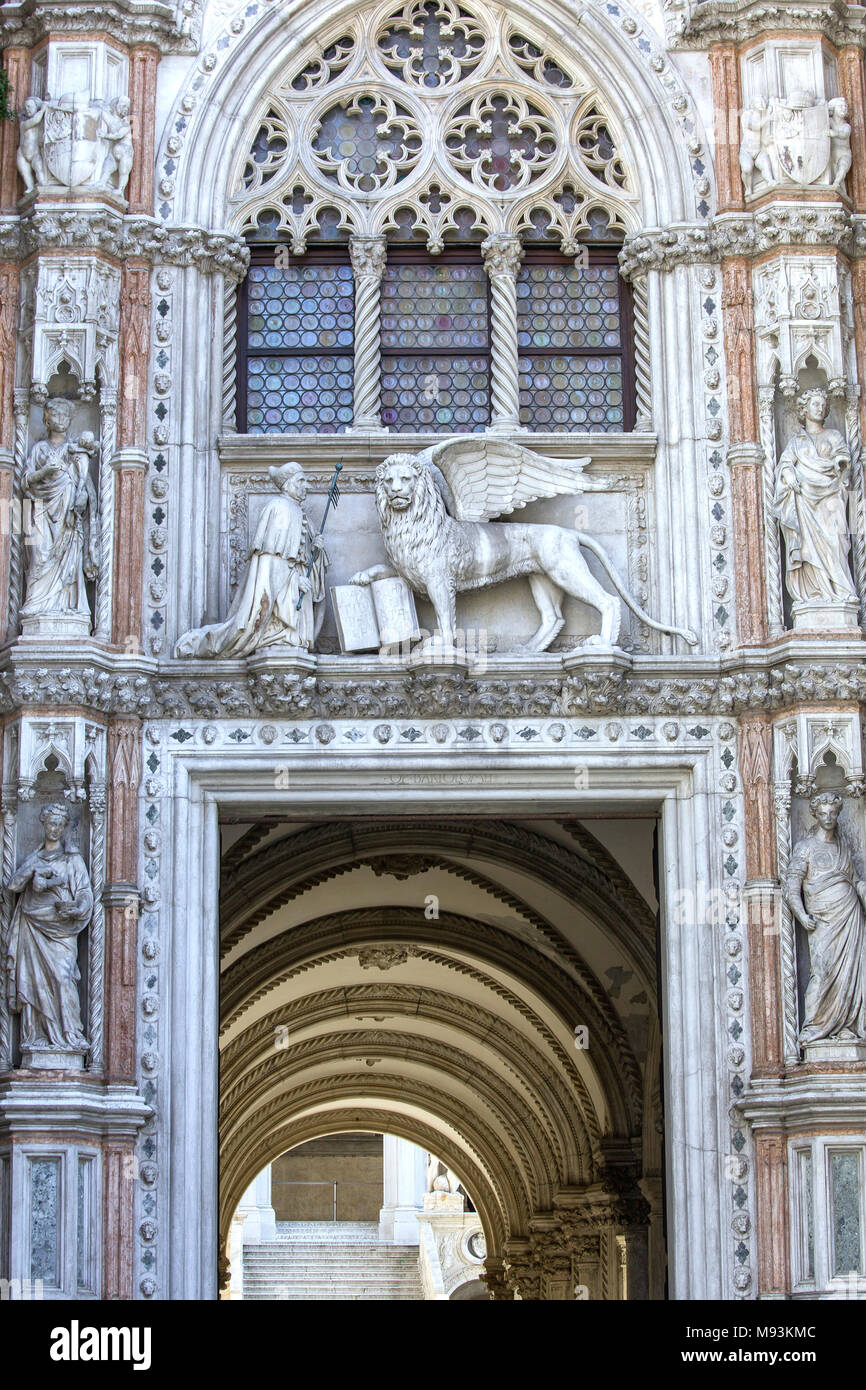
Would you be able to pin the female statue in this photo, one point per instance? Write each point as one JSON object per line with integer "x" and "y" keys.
{"x": 55, "y": 905}
{"x": 828, "y": 900}
{"x": 811, "y": 502}
{"x": 64, "y": 552}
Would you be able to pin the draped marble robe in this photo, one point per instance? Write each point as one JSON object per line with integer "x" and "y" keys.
{"x": 813, "y": 515}
{"x": 265, "y": 610}
{"x": 42, "y": 951}
{"x": 66, "y": 527}
{"x": 835, "y": 1005}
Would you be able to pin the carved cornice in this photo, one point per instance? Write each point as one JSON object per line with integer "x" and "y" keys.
{"x": 698, "y": 25}
{"x": 776, "y": 226}
{"x": 773, "y": 681}
{"x": 130, "y": 22}
{"x": 99, "y": 228}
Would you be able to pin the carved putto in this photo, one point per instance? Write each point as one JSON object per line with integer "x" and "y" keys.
{"x": 41, "y": 953}
{"x": 75, "y": 141}
{"x": 435, "y": 508}
{"x": 795, "y": 140}
{"x": 828, "y": 899}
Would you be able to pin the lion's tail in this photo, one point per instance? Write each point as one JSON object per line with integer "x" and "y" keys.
{"x": 684, "y": 632}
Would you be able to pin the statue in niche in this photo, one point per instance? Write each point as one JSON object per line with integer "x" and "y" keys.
{"x": 811, "y": 503}
{"x": 435, "y": 510}
{"x": 265, "y": 611}
{"x": 55, "y": 906}
{"x": 829, "y": 901}
{"x": 65, "y": 545}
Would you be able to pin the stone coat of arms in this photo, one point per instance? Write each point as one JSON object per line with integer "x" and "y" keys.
{"x": 73, "y": 146}
{"x": 801, "y": 138}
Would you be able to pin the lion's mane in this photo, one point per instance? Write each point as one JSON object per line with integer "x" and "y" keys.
{"x": 410, "y": 536}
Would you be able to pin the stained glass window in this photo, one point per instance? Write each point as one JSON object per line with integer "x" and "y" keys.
{"x": 296, "y": 340}
{"x": 435, "y": 346}
{"x": 571, "y": 339}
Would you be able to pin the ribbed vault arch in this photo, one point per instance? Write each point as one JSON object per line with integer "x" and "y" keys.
{"x": 456, "y": 1033}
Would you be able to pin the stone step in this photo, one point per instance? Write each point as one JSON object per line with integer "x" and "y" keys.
{"x": 357, "y": 1269}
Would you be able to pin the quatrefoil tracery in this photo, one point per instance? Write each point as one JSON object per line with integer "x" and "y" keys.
{"x": 495, "y": 133}
{"x": 431, "y": 43}
{"x": 501, "y": 141}
{"x": 367, "y": 143}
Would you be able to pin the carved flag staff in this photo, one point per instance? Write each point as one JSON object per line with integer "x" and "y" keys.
{"x": 333, "y": 500}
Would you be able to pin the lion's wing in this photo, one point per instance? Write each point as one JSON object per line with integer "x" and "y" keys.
{"x": 491, "y": 477}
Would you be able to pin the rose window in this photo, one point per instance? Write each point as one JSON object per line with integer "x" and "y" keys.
{"x": 501, "y": 141}
{"x": 366, "y": 144}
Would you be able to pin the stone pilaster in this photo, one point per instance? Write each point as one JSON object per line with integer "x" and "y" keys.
{"x": 746, "y": 463}
{"x": 727, "y": 100}
{"x": 130, "y": 460}
{"x": 761, "y": 892}
{"x": 851, "y": 85}
{"x": 121, "y": 897}
{"x": 8, "y": 315}
{"x": 118, "y": 1218}
{"x": 16, "y": 63}
{"x": 143, "y": 62}
{"x": 773, "y": 1220}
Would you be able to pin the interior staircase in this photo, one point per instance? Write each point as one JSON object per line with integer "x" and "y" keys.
{"x": 334, "y": 1260}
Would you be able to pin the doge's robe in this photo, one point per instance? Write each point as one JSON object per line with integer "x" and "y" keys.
{"x": 265, "y": 610}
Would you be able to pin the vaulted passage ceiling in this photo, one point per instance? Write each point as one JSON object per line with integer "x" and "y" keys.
{"x": 486, "y": 989}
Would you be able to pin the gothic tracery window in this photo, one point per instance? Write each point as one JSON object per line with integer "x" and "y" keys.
{"x": 431, "y": 133}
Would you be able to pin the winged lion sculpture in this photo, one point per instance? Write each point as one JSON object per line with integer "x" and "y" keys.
{"x": 436, "y": 508}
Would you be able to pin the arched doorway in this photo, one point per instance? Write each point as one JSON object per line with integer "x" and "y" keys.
{"x": 482, "y": 988}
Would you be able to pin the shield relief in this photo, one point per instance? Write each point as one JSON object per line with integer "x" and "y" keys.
{"x": 802, "y": 140}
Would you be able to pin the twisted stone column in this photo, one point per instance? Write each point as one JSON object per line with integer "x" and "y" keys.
{"x": 642, "y": 383}
{"x": 368, "y": 255}
{"x": 502, "y": 257}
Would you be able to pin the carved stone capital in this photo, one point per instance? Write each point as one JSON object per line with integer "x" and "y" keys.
{"x": 368, "y": 255}
{"x": 503, "y": 255}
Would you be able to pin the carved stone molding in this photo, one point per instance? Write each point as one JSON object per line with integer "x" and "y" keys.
{"x": 588, "y": 691}
{"x": 692, "y": 24}
{"x": 171, "y": 27}
{"x": 98, "y": 228}
{"x": 743, "y": 234}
